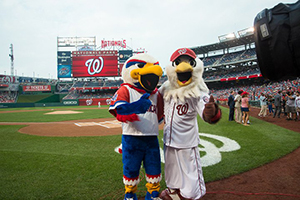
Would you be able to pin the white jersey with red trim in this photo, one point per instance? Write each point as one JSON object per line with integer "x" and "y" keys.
{"x": 181, "y": 127}
{"x": 148, "y": 124}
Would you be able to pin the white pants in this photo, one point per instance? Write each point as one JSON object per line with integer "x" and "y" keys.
{"x": 183, "y": 171}
{"x": 238, "y": 114}
{"x": 263, "y": 111}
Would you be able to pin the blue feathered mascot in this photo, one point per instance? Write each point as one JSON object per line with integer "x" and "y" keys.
{"x": 139, "y": 106}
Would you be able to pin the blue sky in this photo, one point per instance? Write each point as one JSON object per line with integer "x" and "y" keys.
{"x": 159, "y": 26}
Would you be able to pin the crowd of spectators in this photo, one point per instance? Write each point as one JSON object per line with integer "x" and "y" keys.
{"x": 8, "y": 97}
{"x": 87, "y": 95}
{"x": 207, "y": 61}
{"x": 72, "y": 95}
{"x": 229, "y": 57}
{"x": 113, "y": 83}
{"x": 273, "y": 99}
{"x": 255, "y": 90}
{"x": 36, "y": 81}
{"x": 64, "y": 87}
{"x": 96, "y": 83}
{"x": 230, "y": 72}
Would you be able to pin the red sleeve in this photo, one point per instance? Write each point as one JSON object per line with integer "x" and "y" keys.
{"x": 122, "y": 95}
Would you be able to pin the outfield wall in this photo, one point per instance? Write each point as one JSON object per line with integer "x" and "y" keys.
{"x": 21, "y": 105}
{"x": 94, "y": 101}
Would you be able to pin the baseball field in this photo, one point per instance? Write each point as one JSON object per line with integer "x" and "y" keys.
{"x": 69, "y": 152}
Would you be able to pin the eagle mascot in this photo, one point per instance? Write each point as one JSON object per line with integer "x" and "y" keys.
{"x": 139, "y": 106}
{"x": 185, "y": 96}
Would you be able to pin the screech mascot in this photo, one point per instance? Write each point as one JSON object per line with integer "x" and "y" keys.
{"x": 185, "y": 95}
{"x": 139, "y": 106}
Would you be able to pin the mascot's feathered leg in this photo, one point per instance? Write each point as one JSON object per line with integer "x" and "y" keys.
{"x": 133, "y": 149}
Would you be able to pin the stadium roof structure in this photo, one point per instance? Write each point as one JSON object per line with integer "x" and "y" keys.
{"x": 249, "y": 39}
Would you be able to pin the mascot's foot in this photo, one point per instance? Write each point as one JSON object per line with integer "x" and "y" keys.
{"x": 130, "y": 196}
{"x": 169, "y": 194}
{"x": 153, "y": 196}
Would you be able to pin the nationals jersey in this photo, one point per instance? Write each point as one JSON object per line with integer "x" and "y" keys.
{"x": 148, "y": 122}
{"x": 181, "y": 127}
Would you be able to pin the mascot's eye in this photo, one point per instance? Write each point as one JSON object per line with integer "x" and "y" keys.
{"x": 176, "y": 62}
{"x": 192, "y": 63}
{"x": 141, "y": 65}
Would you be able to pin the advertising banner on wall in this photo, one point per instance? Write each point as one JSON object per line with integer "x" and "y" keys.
{"x": 124, "y": 55}
{"x": 94, "y": 63}
{"x": 64, "y": 71}
{"x": 64, "y": 58}
{"x": 70, "y": 102}
{"x": 75, "y": 41}
{"x": 93, "y": 102}
{"x": 113, "y": 43}
{"x": 7, "y": 79}
{"x": 36, "y": 88}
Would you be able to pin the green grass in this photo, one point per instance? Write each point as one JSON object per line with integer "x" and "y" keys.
{"x": 38, "y": 167}
{"x": 52, "y": 107}
{"x": 41, "y": 116}
{"x": 35, "y": 167}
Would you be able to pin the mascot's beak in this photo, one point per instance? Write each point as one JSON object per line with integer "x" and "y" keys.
{"x": 184, "y": 73}
{"x": 148, "y": 76}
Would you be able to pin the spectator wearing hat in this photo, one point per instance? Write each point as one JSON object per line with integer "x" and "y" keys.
{"x": 237, "y": 106}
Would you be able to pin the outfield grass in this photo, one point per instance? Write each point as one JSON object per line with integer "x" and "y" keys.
{"x": 39, "y": 167}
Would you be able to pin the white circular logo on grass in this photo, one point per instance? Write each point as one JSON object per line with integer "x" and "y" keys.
{"x": 212, "y": 152}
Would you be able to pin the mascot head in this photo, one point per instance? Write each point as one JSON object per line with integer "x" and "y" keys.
{"x": 142, "y": 71}
{"x": 184, "y": 75}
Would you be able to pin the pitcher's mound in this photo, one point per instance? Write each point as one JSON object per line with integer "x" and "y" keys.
{"x": 62, "y": 112}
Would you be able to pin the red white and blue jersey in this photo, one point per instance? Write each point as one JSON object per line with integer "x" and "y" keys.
{"x": 181, "y": 127}
{"x": 148, "y": 122}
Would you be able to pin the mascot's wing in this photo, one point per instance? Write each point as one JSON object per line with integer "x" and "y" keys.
{"x": 125, "y": 111}
{"x": 212, "y": 113}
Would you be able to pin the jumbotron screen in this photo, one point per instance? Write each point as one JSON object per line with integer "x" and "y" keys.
{"x": 94, "y": 63}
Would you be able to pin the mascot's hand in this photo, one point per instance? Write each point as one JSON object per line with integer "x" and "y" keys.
{"x": 212, "y": 113}
{"x": 143, "y": 104}
{"x": 128, "y": 112}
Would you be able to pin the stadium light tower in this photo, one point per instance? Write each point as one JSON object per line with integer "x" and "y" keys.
{"x": 246, "y": 32}
{"x": 227, "y": 37}
{"x": 11, "y": 55}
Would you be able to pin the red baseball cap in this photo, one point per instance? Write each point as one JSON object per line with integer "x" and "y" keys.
{"x": 181, "y": 52}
